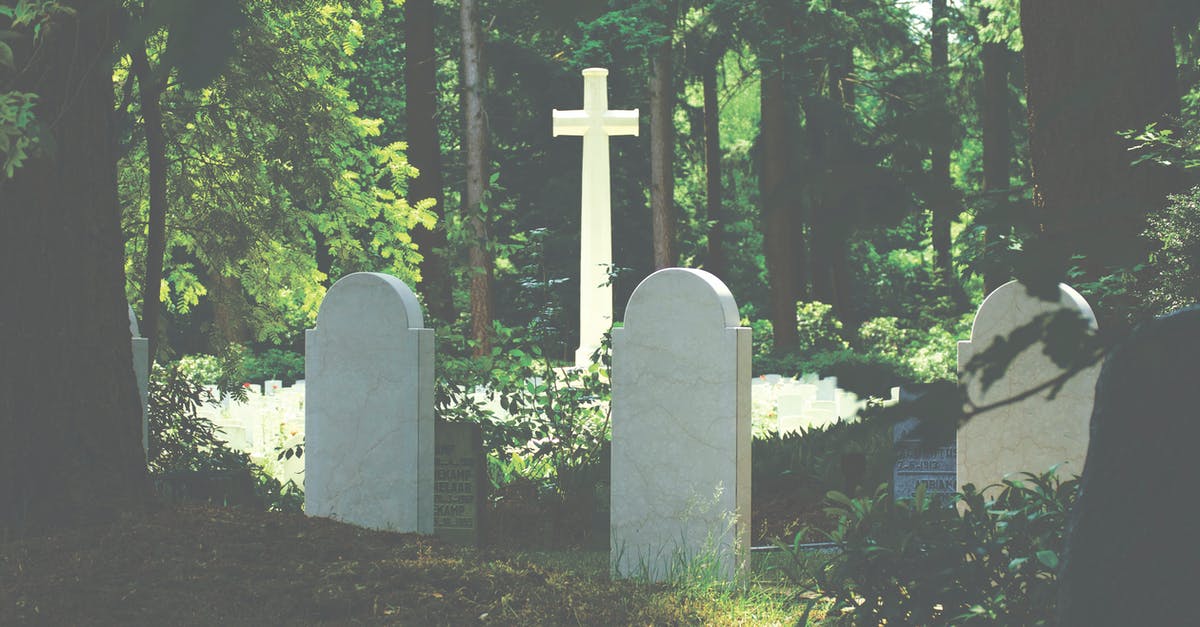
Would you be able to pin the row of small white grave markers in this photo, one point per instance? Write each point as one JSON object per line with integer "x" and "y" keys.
{"x": 808, "y": 402}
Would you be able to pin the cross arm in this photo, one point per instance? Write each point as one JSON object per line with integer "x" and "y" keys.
{"x": 621, "y": 122}
{"x": 570, "y": 122}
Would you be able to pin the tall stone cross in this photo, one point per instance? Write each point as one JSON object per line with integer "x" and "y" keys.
{"x": 596, "y": 124}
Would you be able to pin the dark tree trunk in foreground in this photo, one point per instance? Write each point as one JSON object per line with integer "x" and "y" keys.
{"x": 662, "y": 151}
{"x": 997, "y": 138}
{"x": 780, "y": 223}
{"x": 1094, "y": 68}
{"x": 149, "y": 91}
{"x": 712, "y": 172}
{"x": 420, "y": 87}
{"x": 1123, "y": 543}
{"x": 70, "y": 425}
{"x": 474, "y": 143}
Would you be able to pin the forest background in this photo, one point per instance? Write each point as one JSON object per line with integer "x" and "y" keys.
{"x": 868, "y": 160}
{"x": 859, "y": 172}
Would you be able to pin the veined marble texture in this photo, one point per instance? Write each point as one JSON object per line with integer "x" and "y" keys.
{"x": 680, "y": 429}
{"x": 369, "y": 407}
{"x": 1035, "y": 433}
{"x": 141, "y": 372}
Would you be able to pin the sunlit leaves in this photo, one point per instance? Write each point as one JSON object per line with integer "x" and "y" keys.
{"x": 272, "y": 168}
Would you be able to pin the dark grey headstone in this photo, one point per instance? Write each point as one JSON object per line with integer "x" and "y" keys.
{"x": 1132, "y": 550}
{"x": 930, "y": 462}
{"x": 459, "y": 482}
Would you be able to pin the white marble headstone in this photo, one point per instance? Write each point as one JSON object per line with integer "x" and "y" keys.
{"x": 1035, "y": 433}
{"x": 141, "y": 372}
{"x": 680, "y": 429}
{"x": 369, "y": 407}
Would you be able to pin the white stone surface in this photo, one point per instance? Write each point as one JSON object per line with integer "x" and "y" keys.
{"x": 1037, "y": 432}
{"x": 141, "y": 372}
{"x": 680, "y": 429}
{"x": 368, "y": 458}
{"x": 596, "y": 124}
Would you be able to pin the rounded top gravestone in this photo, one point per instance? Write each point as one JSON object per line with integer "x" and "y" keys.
{"x": 1023, "y": 432}
{"x": 1011, "y": 305}
{"x": 369, "y": 431}
{"x": 680, "y": 429}
{"x": 680, "y": 297}
{"x": 358, "y": 295}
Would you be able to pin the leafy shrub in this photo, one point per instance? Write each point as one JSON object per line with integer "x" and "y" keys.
{"x": 203, "y": 369}
{"x": 763, "y": 334}
{"x": 927, "y": 355}
{"x": 818, "y": 329}
{"x": 864, "y": 374}
{"x": 918, "y": 561}
{"x": 1173, "y": 278}
{"x": 182, "y": 441}
{"x": 812, "y": 460}
{"x": 224, "y": 371}
{"x": 273, "y": 363}
{"x": 552, "y": 413}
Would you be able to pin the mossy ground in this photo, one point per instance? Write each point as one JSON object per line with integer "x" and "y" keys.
{"x": 203, "y": 565}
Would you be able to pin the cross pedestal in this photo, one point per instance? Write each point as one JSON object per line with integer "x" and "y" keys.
{"x": 596, "y": 124}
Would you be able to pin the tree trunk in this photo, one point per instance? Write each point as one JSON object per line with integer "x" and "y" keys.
{"x": 70, "y": 422}
{"x": 662, "y": 151}
{"x": 943, "y": 209}
{"x": 997, "y": 139}
{"x": 474, "y": 144}
{"x": 1094, "y": 68}
{"x": 420, "y": 86}
{"x": 149, "y": 91}
{"x": 779, "y": 220}
{"x": 712, "y": 172}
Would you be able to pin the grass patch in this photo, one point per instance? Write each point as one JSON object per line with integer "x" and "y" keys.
{"x": 209, "y": 565}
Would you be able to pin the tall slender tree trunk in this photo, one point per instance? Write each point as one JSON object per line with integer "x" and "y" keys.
{"x": 837, "y": 229}
{"x": 997, "y": 139}
{"x": 662, "y": 148}
{"x": 474, "y": 144}
{"x": 149, "y": 91}
{"x": 70, "y": 422}
{"x": 712, "y": 172}
{"x": 1094, "y": 68}
{"x": 780, "y": 222}
{"x": 420, "y": 87}
{"x": 943, "y": 209}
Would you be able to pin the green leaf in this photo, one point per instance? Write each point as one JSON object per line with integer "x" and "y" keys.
{"x": 6, "y": 56}
{"x": 1048, "y": 558}
{"x": 839, "y": 498}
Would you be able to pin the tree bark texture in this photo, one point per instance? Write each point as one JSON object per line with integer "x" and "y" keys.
{"x": 149, "y": 92}
{"x": 662, "y": 151}
{"x": 420, "y": 87}
{"x": 70, "y": 422}
{"x": 712, "y": 172}
{"x": 474, "y": 145}
{"x": 943, "y": 210}
{"x": 1094, "y": 68}
{"x": 784, "y": 254}
{"x": 997, "y": 138}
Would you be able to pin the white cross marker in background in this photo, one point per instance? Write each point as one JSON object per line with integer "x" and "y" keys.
{"x": 596, "y": 124}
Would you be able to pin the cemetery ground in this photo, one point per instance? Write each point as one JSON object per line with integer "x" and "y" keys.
{"x": 209, "y": 565}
